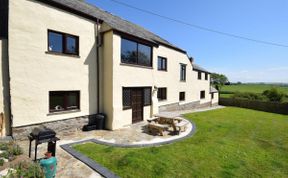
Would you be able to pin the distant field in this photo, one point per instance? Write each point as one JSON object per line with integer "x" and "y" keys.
{"x": 254, "y": 88}
{"x": 228, "y": 90}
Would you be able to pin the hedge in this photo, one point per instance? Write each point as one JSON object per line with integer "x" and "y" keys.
{"x": 274, "y": 107}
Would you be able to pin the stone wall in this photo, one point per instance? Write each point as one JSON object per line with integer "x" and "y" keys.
{"x": 61, "y": 127}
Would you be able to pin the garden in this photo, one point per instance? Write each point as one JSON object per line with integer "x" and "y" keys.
{"x": 14, "y": 164}
{"x": 229, "y": 142}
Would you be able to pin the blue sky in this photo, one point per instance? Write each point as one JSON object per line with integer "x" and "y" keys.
{"x": 238, "y": 59}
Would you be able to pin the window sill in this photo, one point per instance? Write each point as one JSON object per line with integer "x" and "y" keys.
{"x": 63, "y": 112}
{"x": 62, "y": 54}
{"x": 135, "y": 65}
{"x": 163, "y": 100}
{"x": 162, "y": 70}
{"x": 183, "y": 81}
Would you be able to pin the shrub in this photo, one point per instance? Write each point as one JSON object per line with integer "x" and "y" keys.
{"x": 3, "y": 146}
{"x": 15, "y": 150}
{"x": 248, "y": 96}
{"x": 1, "y": 162}
{"x": 26, "y": 170}
{"x": 273, "y": 95}
{"x": 5, "y": 155}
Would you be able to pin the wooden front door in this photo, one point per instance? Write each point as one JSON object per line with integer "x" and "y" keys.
{"x": 137, "y": 105}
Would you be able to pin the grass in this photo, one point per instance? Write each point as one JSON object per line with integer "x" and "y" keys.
{"x": 254, "y": 88}
{"x": 230, "y": 142}
{"x": 227, "y": 90}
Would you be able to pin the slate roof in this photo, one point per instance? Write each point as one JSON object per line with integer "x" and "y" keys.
{"x": 113, "y": 21}
{"x": 198, "y": 68}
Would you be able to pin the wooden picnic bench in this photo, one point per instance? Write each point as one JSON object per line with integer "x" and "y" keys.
{"x": 181, "y": 126}
{"x": 158, "y": 128}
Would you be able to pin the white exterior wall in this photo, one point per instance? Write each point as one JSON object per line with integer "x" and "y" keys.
{"x": 215, "y": 100}
{"x": 34, "y": 73}
{"x": 202, "y": 85}
{"x": 134, "y": 76}
{"x": 107, "y": 78}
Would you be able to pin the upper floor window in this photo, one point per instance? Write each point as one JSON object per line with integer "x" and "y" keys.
{"x": 64, "y": 100}
{"x": 206, "y": 76}
{"x": 162, "y": 94}
{"x": 202, "y": 94}
{"x": 135, "y": 53}
{"x": 199, "y": 75}
{"x": 162, "y": 63}
{"x": 182, "y": 96}
{"x": 63, "y": 43}
{"x": 182, "y": 72}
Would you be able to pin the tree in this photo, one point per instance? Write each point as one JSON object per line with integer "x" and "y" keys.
{"x": 218, "y": 80}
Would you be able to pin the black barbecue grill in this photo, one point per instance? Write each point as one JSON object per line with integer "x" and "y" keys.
{"x": 43, "y": 135}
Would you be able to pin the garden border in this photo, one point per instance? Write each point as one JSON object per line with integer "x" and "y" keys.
{"x": 103, "y": 170}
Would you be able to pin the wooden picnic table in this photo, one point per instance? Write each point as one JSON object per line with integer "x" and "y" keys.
{"x": 170, "y": 119}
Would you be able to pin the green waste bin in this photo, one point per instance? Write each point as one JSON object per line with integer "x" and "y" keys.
{"x": 49, "y": 165}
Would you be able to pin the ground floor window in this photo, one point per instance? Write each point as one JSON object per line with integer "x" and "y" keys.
{"x": 202, "y": 94}
{"x": 64, "y": 100}
{"x": 162, "y": 94}
{"x": 130, "y": 94}
{"x": 212, "y": 96}
{"x": 182, "y": 96}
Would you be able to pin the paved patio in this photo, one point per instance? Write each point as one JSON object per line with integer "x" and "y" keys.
{"x": 70, "y": 167}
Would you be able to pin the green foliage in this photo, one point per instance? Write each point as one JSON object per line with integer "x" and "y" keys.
{"x": 248, "y": 96}
{"x": 218, "y": 80}
{"x": 11, "y": 150}
{"x": 5, "y": 155}
{"x": 229, "y": 142}
{"x": 1, "y": 162}
{"x": 26, "y": 170}
{"x": 273, "y": 95}
{"x": 15, "y": 150}
{"x": 3, "y": 146}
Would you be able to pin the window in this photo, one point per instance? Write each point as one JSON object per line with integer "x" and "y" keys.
{"x": 63, "y": 43}
{"x": 181, "y": 96}
{"x": 162, "y": 63}
{"x": 135, "y": 53}
{"x": 199, "y": 75}
{"x": 212, "y": 95}
{"x": 182, "y": 72}
{"x": 162, "y": 94}
{"x": 206, "y": 76}
{"x": 147, "y": 96}
{"x": 64, "y": 100}
{"x": 127, "y": 97}
{"x": 202, "y": 94}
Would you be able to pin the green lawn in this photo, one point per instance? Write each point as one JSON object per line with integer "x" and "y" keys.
{"x": 229, "y": 142}
{"x": 254, "y": 88}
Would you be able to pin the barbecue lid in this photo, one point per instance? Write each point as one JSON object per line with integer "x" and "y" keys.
{"x": 42, "y": 131}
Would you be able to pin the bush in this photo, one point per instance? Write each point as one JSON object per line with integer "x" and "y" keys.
{"x": 273, "y": 95}
{"x": 248, "y": 96}
{"x": 5, "y": 155}
{"x": 1, "y": 162}
{"x": 26, "y": 170}
{"x": 3, "y": 146}
{"x": 15, "y": 150}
